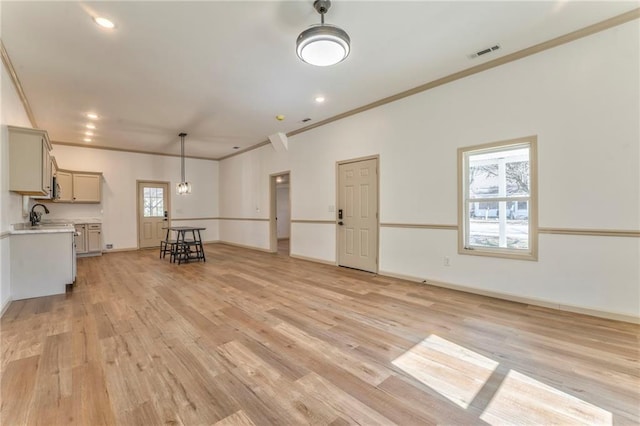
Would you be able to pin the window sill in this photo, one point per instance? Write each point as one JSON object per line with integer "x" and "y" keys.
{"x": 503, "y": 254}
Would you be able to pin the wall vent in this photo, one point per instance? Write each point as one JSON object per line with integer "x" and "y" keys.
{"x": 484, "y": 51}
{"x": 304, "y": 120}
{"x": 109, "y": 246}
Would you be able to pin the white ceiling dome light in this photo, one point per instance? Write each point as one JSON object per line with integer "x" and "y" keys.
{"x": 322, "y": 44}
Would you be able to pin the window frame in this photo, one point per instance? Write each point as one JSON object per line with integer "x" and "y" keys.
{"x": 463, "y": 204}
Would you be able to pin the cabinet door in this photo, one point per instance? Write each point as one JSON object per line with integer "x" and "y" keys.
{"x": 47, "y": 176}
{"x": 81, "y": 238}
{"x": 93, "y": 237}
{"x": 29, "y": 158}
{"x": 86, "y": 188}
{"x": 65, "y": 183}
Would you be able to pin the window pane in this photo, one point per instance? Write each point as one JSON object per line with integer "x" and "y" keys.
{"x": 499, "y": 225}
{"x": 518, "y": 210}
{"x": 518, "y": 178}
{"x": 498, "y": 173}
{"x": 518, "y": 234}
{"x": 483, "y": 179}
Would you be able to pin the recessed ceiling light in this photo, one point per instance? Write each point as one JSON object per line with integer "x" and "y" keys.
{"x": 92, "y": 115}
{"x": 104, "y": 22}
{"x": 319, "y": 99}
{"x": 87, "y": 139}
{"x": 91, "y": 126}
{"x": 88, "y": 133}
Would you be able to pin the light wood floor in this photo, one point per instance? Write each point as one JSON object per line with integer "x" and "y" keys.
{"x": 256, "y": 338}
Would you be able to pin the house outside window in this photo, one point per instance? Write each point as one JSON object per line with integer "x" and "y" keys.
{"x": 498, "y": 199}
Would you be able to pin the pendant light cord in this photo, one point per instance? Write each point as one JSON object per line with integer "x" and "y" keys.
{"x": 182, "y": 135}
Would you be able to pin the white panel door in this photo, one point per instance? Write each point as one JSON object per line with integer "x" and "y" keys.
{"x": 153, "y": 213}
{"x": 358, "y": 215}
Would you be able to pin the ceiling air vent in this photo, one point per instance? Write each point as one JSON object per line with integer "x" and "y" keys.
{"x": 304, "y": 120}
{"x": 484, "y": 51}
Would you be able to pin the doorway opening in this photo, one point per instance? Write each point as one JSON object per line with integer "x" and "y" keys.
{"x": 153, "y": 212}
{"x": 280, "y": 213}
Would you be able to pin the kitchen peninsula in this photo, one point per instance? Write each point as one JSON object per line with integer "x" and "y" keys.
{"x": 43, "y": 259}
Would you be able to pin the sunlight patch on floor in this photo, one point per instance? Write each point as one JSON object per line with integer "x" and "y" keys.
{"x": 459, "y": 374}
{"x": 523, "y": 399}
{"x": 455, "y": 372}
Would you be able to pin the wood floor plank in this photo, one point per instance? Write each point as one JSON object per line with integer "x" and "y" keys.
{"x": 236, "y": 419}
{"x": 18, "y": 382}
{"x": 253, "y": 338}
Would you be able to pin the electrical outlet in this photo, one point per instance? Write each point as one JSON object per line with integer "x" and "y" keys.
{"x": 447, "y": 261}
{"x": 109, "y": 246}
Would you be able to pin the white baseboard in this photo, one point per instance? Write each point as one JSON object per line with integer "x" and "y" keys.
{"x": 520, "y": 299}
{"x": 5, "y": 307}
{"x": 312, "y": 259}
{"x": 120, "y": 249}
{"x": 229, "y": 243}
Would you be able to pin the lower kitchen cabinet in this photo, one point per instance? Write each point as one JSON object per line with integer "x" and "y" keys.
{"x": 89, "y": 239}
{"x": 42, "y": 264}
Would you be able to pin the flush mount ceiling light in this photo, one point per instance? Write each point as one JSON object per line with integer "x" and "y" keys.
{"x": 322, "y": 44}
{"x": 104, "y": 22}
{"x": 183, "y": 187}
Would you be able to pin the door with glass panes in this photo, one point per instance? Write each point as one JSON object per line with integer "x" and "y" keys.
{"x": 153, "y": 213}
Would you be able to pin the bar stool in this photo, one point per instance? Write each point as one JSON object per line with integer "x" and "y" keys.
{"x": 167, "y": 246}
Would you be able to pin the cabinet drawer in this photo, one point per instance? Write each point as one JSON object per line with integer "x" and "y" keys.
{"x": 94, "y": 226}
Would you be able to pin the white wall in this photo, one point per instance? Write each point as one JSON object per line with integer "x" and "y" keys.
{"x": 11, "y": 113}
{"x": 582, "y": 99}
{"x": 120, "y": 172}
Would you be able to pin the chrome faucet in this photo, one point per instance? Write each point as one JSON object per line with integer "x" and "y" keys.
{"x": 34, "y": 216}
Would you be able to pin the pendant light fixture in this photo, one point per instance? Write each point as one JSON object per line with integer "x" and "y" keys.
{"x": 183, "y": 187}
{"x": 323, "y": 44}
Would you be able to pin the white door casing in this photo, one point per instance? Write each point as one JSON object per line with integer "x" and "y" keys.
{"x": 153, "y": 213}
{"x": 357, "y": 214}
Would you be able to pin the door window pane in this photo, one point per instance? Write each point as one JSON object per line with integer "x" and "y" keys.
{"x": 153, "y": 202}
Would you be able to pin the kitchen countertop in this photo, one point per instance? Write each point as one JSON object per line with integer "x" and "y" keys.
{"x": 76, "y": 221}
{"x": 52, "y": 226}
{"x": 46, "y": 228}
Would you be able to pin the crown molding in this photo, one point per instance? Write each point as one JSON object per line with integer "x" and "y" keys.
{"x": 16, "y": 83}
{"x": 532, "y": 50}
{"x": 134, "y": 151}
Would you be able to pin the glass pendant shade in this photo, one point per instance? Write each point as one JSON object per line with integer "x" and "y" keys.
{"x": 183, "y": 188}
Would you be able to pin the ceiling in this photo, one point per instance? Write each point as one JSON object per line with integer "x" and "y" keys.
{"x": 222, "y": 70}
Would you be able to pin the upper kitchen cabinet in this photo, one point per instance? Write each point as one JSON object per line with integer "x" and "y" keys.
{"x": 79, "y": 187}
{"x": 30, "y": 161}
{"x": 64, "y": 180}
{"x": 86, "y": 187}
